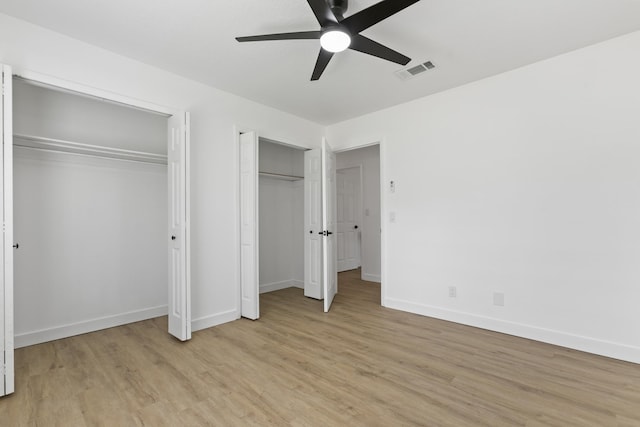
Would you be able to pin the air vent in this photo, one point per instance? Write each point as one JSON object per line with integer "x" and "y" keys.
{"x": 411, "y": 72}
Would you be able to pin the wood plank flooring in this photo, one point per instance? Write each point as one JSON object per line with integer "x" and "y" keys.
{"x": 360, "y": 365}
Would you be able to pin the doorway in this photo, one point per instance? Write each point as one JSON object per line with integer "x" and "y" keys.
{"x": 359, "y": 211}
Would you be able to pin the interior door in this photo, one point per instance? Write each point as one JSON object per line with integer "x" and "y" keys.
{"x": 179, "y": 238}
{"x": 6, "y": 251}
{"x": 249, "y": 244}
{"x": 349, "y": 208}
{"x": 329, "y": 258}
{"x": 313, "y": 224}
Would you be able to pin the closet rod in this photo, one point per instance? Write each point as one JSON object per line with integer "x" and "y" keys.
{"x": 281, "y": 176}
{"x": 51, "y": 144}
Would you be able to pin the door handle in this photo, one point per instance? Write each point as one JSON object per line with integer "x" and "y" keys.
{"x": 17, "y": 245}
{"x": 325, "y": 233}
{"x": 355, "y": 226}
{"x": 173, "y": 237}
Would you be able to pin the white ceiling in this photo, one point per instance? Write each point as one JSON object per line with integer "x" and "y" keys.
{"x": 466, "y": 39}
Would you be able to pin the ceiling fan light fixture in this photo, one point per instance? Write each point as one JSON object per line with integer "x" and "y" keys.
{"x": 335, "y": 41}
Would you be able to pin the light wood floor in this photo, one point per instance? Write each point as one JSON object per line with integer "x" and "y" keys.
{"x": 360, "y": 365}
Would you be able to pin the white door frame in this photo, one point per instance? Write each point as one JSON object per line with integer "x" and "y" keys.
{"x": 383, "y": 209}
{"x": 89, "y": 91}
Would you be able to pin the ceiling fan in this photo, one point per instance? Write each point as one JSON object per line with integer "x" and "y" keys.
{"x": 338, "y": 33}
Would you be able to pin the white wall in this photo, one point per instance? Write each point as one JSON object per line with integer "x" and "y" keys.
{"x": 369, "y": 159}
{"x": 40, "y": 111}
{"x": 92, "y": 231}
{"x": 92, "y": 235}
{"x": 216, "y": 116}
{"x": 281, "y": 212}
{"x": 526, "y": 184}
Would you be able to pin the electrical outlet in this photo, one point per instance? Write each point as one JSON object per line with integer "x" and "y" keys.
{"x": 452, "y": 292}
{"x": 498, "y": 299}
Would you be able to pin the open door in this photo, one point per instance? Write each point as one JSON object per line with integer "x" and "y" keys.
{"x": 249, "y": 249}
{"x": 6, "y": 251}
{"x": 179, "y": 238}
{"x": 313, "y": 224}
{"x": 329, "y": 253}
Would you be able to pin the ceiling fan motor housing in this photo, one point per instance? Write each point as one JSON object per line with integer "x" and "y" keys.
{"x": 338, "y": 7}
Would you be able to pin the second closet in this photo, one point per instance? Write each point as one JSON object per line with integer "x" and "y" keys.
{"x": 281, "y": 212}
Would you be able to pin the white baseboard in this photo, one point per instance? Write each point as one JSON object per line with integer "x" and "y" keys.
{"x": 371, "y": 277}
{"x": 276, "y": 286}
{"x": 65, "y": 331}
{"x": 590, "y": 345}
{"x": 214, "y": 320}
{"x": 297, "y": 284}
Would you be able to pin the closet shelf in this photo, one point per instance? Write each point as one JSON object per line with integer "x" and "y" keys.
{"x": 281, "y": 176}
{"x": 51, "y": 144}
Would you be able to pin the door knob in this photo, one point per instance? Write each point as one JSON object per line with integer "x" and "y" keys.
{"x": 173, "y": 237}
{"x": 17, "y": 245}
{"x": 355, "y": 226}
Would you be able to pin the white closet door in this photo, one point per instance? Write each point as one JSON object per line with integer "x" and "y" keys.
{"x": 249, "y": 247}
{"x": 329, "y": 258}
{"x": 6, "y": 252}
{"x": 179, "y": 265}
{"x": 313, "y": 224}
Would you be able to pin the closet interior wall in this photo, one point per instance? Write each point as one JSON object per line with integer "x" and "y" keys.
{"x": 92, "y": 230}
{"x": 281, "y": 212}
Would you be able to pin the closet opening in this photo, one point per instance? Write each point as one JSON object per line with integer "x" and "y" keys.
{"x": 91, "y": 209}
{"x": 280, "y": 231}
{"x": 281, "y": 216}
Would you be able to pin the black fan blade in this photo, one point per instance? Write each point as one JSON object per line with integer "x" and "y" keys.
{"x": 323, "y": 60}
{"x": 303, "y": 35}
{"x": 368, "y": 46}
{"x": 323, "y": 12}
{"x": 374, "y": 14}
